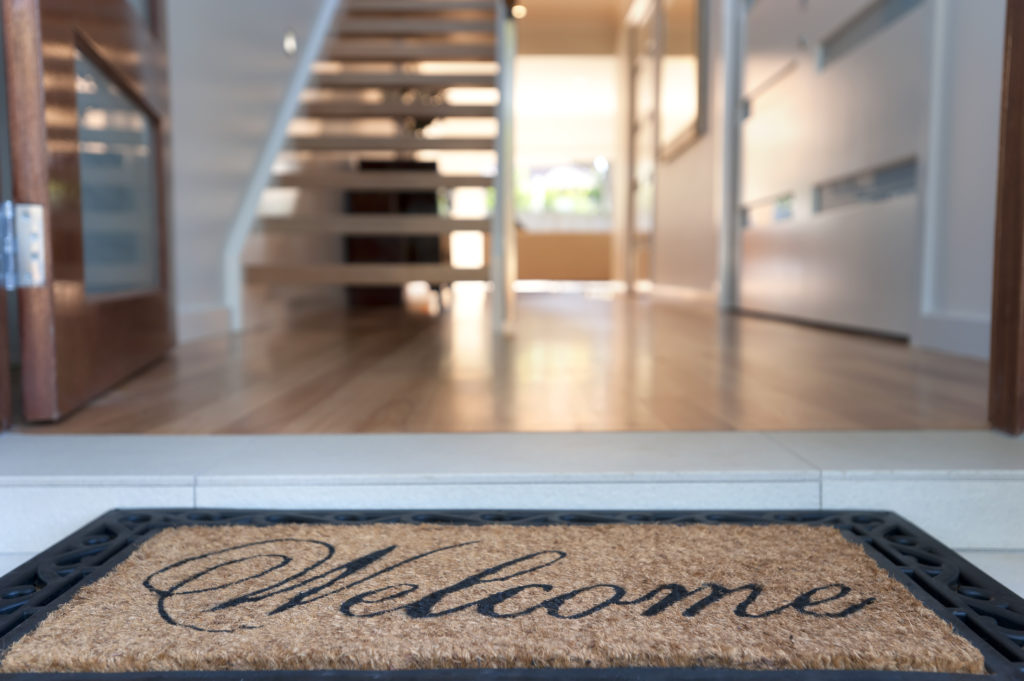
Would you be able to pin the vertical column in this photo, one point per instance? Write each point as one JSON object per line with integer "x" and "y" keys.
{"x": 629, "y": 240}
{"x": 733, "y": 54}
{"x": 1006, "y": 366}
{"x": 504, "y": 258}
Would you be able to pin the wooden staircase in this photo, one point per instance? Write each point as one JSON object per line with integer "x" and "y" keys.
{"x": 383, "y": 79}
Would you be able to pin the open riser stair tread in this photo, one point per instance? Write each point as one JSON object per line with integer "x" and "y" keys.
{"x": 418, "y": 7}
{"x": 365, "y": 274}
{"x": 356, "y": 50}
{"x": 368, "y": 180}
{"x": 361, "y": 143}
{"x": 360, "y": 26}
{"x": 403, "y": 80}
{"x": 383, "y": 225}
{"x": 360, "y": 110}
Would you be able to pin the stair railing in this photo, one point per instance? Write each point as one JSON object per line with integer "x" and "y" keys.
{"x": 504, "y": 257}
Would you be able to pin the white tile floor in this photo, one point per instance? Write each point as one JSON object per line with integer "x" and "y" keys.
{"x": 867, "y": 454}
{"x": 1006, "y": 566}
{"x": 966, "y": 488}
{"x": 397, "y": 459}
{"x": 9, "y": 561}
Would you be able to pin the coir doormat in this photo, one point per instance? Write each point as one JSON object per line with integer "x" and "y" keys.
{"x": 515, "y": 594}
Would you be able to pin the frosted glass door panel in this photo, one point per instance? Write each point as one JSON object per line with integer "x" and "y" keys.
{"x": 118, "y": 175}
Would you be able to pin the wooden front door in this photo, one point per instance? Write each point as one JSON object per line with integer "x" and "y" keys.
{"x": 87, "y": 86}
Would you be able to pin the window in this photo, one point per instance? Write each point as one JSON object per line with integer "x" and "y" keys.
{"x": 565, "y": 197}
{"x": 119, "y": 185}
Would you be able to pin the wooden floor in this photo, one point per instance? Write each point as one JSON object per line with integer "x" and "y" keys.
{"x": 576, "y": 363}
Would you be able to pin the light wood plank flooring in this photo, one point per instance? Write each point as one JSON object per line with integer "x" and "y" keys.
{"x": 577, "y": 363}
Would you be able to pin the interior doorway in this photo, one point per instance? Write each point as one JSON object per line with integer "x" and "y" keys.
{"x": 668, "y": 359}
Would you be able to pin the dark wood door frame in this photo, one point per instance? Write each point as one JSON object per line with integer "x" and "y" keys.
{"x": 75, "y": 345}
{"x": 6, "y": 382}
{"x": 1006, "y": 365}
{"x": 29, "y": 176}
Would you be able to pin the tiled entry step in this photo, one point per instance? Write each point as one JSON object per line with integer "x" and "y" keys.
{"x": 964, "y": 487}
{"x": 981, "y": 610}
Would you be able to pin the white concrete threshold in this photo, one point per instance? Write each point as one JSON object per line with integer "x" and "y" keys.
{"x": 964, "y": 487}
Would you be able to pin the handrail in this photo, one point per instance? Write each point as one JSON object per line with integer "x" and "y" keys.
{"x": 232, "y": 257}
{"x": 504, "y": 257}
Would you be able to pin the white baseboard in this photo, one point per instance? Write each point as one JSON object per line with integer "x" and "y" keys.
{"x": 198, "y": 321}
{"x": 957, "y": 334}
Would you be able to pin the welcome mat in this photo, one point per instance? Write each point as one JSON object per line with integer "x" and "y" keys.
{"x": 223, "y": 593}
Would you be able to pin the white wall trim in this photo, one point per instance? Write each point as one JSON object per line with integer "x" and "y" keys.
{"x": 956, "y": 333}
{"x": 197, "y": 321}
{"x": 232, "y": 260}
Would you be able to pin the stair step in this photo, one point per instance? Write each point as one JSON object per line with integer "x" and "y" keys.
{"x": 417, "y": 6}
{"x": 404, "y": 80}
{"x": 410, "y": 27}
{"x": 375, "y": 225}
{"x": 359, "y": 110}
{"x": 396, "y": 52}
{"x": 367, "y": 274}
{"x": 361, "y": 143}
{"x": 374, "y": 180}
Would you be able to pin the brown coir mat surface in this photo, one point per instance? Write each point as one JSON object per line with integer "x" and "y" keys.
{"x": 402, "y": 596}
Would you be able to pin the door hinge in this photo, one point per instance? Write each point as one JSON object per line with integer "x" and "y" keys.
{"x": 22, "y": 245}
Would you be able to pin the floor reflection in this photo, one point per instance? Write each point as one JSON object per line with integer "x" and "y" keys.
{"x": 579, "y": 361}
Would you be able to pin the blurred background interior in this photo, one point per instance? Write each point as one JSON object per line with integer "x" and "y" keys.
{"x": 712, "y": 215}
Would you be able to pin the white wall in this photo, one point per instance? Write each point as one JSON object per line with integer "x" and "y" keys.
{"x": 686, "y": 231}
{"x": 229, "y": 75}
{"x": 956, "y": 282}
{"x": 686, "y": 236}
{"x": 855, "y": 265}
{"x": 928, "y": 86}
{"x": 566, "y": 107}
